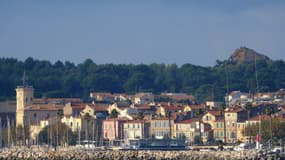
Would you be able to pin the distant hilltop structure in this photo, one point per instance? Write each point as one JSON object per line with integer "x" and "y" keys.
{"x": 246, "y": 55}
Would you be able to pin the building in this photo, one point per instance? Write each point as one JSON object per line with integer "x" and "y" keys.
{"x": 237, "y": 97}
{"x": 162, "y": 127}
{"x": 143, "y": 98}
{"x": 136, "y": 129}
{"x": 24, "y": 98}
{"x": 113, "y": 129}
{"x": 219, "y": 130}
{"x": 188, "y": 129}
{"x": 193, "y": 130}
{"x": 216, "y": 121}
{"x": 233, "y": 116}
{"x": 74, "y": 123}
{"x": 7, "y": 112}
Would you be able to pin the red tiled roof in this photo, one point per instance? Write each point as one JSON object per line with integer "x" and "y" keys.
{"x": 78, "y": 106}
{"x": 57, "y": 100}
{"x": 143, "y": 106}
{"x": 215, "y": 113}
{"x": 195, "y": 107}
{"x": 44, "y": 107}
{"x": 189, "y": 120}
{"x": 172, "y": 108}
{"x": 98, "y": 107}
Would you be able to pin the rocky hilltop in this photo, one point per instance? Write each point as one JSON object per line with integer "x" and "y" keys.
{"x": 246, "y": 55}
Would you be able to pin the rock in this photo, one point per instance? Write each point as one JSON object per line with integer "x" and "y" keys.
{"x": 246, "y": 55}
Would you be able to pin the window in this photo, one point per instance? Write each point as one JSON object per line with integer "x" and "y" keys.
{"x": 166, "y": 124}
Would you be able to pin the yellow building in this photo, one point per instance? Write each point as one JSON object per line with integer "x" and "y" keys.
{"x": 74, "y": 123}
{"x": 219, "y": 130}
{"x": 240, "y": 132}
{"x": 136, "y": 129}
{"x": 187, "y": 129}
{"x": 161, "y": 128}
{"x": 216, "y": 121}
{"x": 24, "y": 97}
{"x": 233, "y": 116}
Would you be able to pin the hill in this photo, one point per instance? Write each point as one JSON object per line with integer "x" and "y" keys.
{"x": 65, "y": 79}
{"x": 247, "y": 55}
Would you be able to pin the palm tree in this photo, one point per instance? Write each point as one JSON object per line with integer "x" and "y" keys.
{"x": 248, "y": 107}
{"x": 168, "y": 115}
{"x": 35, "y": 119}
{"x": 59, "y": 114}
{"x": 199, "y": 114}
{"x": 87, "y": 117}
{"x": 225, "y": 129}
{"x": 114, "y": 114}
{"x": 140, "y": 115}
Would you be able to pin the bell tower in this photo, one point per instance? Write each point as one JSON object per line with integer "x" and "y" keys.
{"x": 24, "y": 98}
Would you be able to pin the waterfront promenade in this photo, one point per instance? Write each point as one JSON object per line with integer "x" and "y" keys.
{"x": 83, "y": 154}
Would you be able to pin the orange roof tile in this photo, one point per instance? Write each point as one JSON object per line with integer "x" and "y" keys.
{"x": 189, "y": 120}
{"x": 215, "y": 113}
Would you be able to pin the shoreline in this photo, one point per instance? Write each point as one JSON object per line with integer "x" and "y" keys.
{"x": 75, "y": 153}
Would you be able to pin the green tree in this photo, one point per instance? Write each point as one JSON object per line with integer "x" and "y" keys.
{"x": 140, "y": 115}
{"x": 168, "y": 115}
{"x": 114, "y": 114}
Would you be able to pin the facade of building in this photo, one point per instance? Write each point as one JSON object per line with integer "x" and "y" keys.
{"x": 136, "y": 129}
{"x": 188, "y": 129}
{"x": 162, "y": 128}
{"x": 24, "y": 98}
{"x": 219, "y": 130}
{"x": 233, "y": 116}
{"x": 113, "y": 129}
{"x": 74, "y": 123}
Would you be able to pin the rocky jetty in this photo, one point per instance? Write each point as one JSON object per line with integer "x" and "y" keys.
{"x": 81, "y": 154}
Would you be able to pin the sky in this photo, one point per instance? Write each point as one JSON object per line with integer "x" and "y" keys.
{"x": 140, "y": 31}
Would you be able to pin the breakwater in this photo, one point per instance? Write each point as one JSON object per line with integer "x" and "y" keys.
{"x": 81, "y": 154}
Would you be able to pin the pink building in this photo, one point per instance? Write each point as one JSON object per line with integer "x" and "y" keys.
{"x": 113, "y": 129}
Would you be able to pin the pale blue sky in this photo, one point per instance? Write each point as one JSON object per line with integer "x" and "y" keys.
{"x": 146, "y": 31}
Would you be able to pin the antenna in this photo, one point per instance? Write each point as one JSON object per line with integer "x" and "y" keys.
{"x": 227, "y": 82}
{"x": 256, "y": 77}
{"x": 24, "y": 78}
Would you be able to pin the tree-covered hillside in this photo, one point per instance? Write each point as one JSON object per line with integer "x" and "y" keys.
{"x": 65, "y": 79}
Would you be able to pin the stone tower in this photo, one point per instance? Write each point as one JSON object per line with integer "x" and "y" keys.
{"x": 25, "y": 95}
